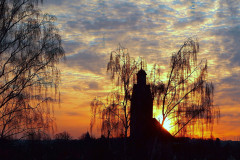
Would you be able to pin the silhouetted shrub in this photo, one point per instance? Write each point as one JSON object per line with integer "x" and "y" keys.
{"x": 63, "y": 136}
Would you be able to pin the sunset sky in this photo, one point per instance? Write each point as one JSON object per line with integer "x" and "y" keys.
{"x": 152, "y": 29}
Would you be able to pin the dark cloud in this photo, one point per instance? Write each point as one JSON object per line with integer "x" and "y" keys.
{"x": 109, "y": 16}
{"x": 125, "y": 8}
{"x": 229, "y": 38}
{"x": 224, "y": 56}
{"x": 77, "y": 88}
{"x": 90, "y": 86}
{"x": 230, "y": 94}
{"x": 228, "y": 13}
{"x": 71, "y": 46}
{"x": 194, "y": 20}
{"x": 93, "y": 85}
{"x": 53, "y": 2}
{"x": 110, "y": 23}
{"x": 233, "y": 80}
{"x": 233, "y": 6}
{"x": 87, "y": 60}
{"x": 159, "y": 11}
{"x": 73, "y": 24}
{"x": 230, "y": 115}
{"x": 236, "y": 58}
{"x": 75, "y": 114}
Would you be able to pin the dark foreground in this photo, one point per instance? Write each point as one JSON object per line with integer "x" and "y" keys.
{"x": 119, "y": 149}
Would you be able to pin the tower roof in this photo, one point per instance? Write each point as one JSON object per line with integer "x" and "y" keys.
{"x": 141, "y": 72}
{"x": 141, "y": 77}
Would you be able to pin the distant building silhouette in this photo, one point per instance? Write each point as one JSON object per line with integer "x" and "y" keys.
{"x": 142, "y": 123}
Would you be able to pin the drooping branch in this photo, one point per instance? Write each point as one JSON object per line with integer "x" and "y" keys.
{"x": 30, "y": 48}
{"x": 186, "y": 86}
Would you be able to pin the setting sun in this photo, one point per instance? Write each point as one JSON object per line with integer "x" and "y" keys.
{"x": 167, "y": 124}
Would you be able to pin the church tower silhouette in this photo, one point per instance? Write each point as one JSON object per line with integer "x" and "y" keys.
{"x": 141, "y": 107}
{"x": 142, "y": 123}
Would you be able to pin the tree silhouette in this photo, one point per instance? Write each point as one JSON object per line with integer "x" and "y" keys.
{"x": 115, "y": 112}
{"x": 36, "y": 135}
{"x": 63, "y": 136}
{"x": 85, "y": 136}
{"x": 30, "y": 48}
{"x": 111, "y": 115}
{"x": 185, "y": 98}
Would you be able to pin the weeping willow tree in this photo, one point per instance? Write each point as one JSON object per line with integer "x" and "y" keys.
{"x": 115, "y": 110}
{"x": 30, "y": 48}
{"x": 185, "y": 98}
{"x": 111, "y": 115}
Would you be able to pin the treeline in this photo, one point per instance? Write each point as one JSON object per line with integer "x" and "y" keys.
{"x": 119, "y": 148}
{"x": 43, "y": 136}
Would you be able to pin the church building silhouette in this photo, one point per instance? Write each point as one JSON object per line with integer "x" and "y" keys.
{"x": 142, "y": 123}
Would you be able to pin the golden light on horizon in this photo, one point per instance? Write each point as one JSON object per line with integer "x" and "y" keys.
{"x": 167, "y": 123}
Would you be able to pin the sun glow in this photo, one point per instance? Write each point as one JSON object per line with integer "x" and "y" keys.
{"x": 167, "y": 123}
